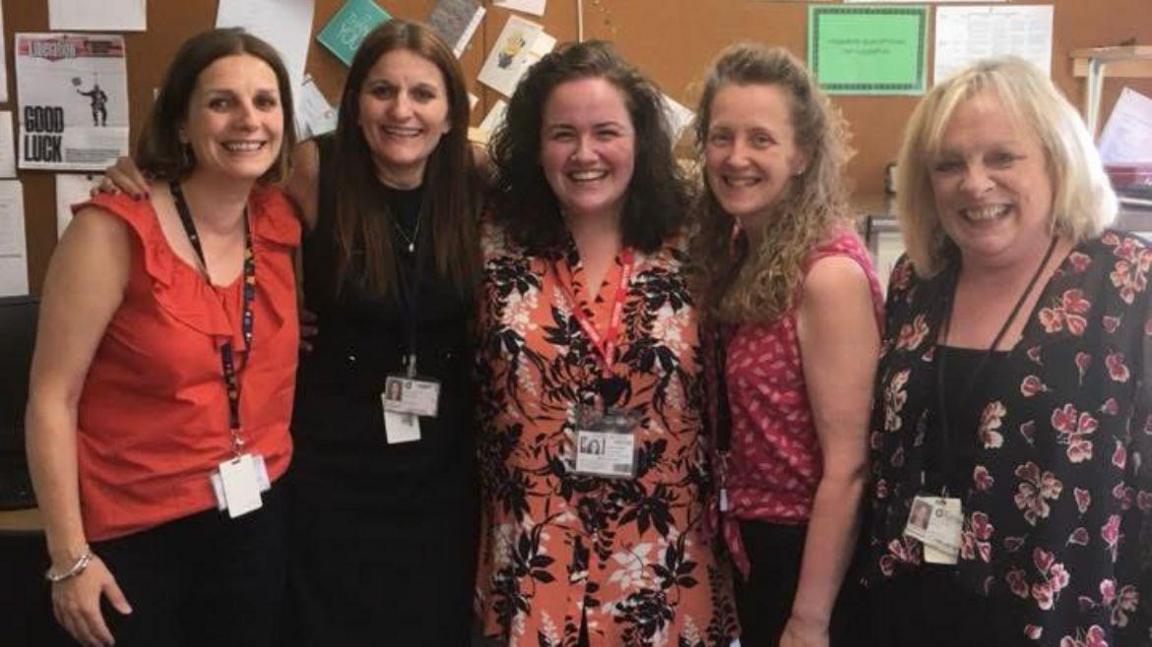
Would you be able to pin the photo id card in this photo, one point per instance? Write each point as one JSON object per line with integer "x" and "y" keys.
{"x": 937, "y": 523}
{"x": 240, "y": 485}
{"x": 605, "y": 444}
{"x": 401, "y": 427}
{"x": 403, "y": 394}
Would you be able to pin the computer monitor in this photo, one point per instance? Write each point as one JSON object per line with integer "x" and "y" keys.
{"x": 17, "y": 338}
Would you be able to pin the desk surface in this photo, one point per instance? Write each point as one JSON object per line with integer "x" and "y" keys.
{"x": 21, "y": 520}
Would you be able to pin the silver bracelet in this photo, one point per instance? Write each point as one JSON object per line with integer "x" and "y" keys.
{"x": 77, "y": 568}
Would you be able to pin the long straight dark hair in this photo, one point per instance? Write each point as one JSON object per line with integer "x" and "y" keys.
{"x": 451, "y": 194}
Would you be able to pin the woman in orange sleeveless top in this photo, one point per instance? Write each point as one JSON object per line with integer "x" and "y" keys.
{"x": 163, "y": 375}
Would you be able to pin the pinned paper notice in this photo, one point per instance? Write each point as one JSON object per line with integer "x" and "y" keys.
{"x": 1127, "y": 136}
{"x": 317, "y": 115}
{"x": 7, "y": 145}
{"x": 72, "y": 188}
{"x": 679, "y": 117}
{"x": 348, "y": 27}
{"x": 105, "y": 15}
{"x": 967, "y": 34}
{"x": 456, "y": 21}
{"x": 514, "y": 52}
{"x": 494, "y": 119}
{"x": 534, "y": 7}
{"x": 13, "y": 245}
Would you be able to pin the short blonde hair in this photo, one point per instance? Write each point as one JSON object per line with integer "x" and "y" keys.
{"x": 1083, "y": 202}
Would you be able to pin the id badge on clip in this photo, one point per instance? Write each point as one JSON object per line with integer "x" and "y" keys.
{"x": 404, "y": 400}
{"x": 605, "y": 444}
{"x": 936, "y": 522}
{"x": 238, "y": 482}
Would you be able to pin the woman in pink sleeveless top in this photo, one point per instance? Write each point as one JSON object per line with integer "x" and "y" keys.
{"x": 795, "y": 308}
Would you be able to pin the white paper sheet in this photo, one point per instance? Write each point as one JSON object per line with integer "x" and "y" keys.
{"x": 494, "y": 118}
{"x": 7, "y": 145}
{"x": 13, "y": 245}
{"x": 679, "y": 117}
{"x": 472, "y": 101}
{"x": 1127, "y": 136}
{"x": 456, "y": 21}
{"x": 98, "y": 15}
{"x": 965, "y": 34}
{"x": 72, "y": 188}
{"x": 509, "y": 58}
{"x": 3, "y": 60}
{"x": 285, "y": 24}
{"x": 73, "y": 95}
{"x": 318, "y": 115}
{"x": 534, "y": 7}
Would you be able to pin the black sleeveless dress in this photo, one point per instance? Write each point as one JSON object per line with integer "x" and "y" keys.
{"x": 382, "y": 538}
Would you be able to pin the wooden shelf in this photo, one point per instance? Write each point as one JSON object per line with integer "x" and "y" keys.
{"x": 1130, "y": 61}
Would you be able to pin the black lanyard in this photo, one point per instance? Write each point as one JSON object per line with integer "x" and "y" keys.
{"x": 970, "y": 384}
{"x": 227, "y": 353}
{"x": 410, "y": 288}
{"x": 717, "y": 335}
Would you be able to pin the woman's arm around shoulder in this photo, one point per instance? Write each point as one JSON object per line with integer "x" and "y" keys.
{"x": 839, "y": 344}
{"x": 82, "y": 291}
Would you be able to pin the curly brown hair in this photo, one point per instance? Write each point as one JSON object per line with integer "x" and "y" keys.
{"x": 656, "y": 204}
{"x": 736, "y": 284}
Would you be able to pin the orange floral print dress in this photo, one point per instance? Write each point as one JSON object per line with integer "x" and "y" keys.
{"x": 627, "y": 556}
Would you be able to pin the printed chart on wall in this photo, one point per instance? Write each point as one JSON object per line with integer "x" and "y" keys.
{"x": 73, "y": 96}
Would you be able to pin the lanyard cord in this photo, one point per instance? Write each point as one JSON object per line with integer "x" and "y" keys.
{"x": 227, "y": 353}
{"x": 606, "y": 343}
{"x": 410, "y": 288}
{"x": 970, "y": 384}
{"x": 720, "y": 335}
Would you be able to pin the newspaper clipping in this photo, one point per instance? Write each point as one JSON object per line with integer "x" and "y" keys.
{"x": 73, "y": 95}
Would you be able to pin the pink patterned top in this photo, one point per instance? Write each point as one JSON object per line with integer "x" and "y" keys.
{"x": 775, "y": 464}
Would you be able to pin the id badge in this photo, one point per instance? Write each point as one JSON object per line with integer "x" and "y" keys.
{"x": 411, "y": 395}
{"x": 237, "y": 484}
{"x": 936, "y": 522}
{"x": 605, "y": 444}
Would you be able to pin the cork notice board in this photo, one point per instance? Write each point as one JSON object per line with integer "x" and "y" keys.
{"x": 670, "y": 40}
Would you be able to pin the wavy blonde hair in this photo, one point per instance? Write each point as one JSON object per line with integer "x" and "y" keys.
{"x": 1083, "y": 202}
{"x": 759, "y": 284}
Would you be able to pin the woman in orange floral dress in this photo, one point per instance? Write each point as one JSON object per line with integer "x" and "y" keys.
{"x": 593, "y": 459}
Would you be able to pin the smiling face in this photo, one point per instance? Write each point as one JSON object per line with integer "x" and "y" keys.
{"x": 588, "y": 148}
{"x": 991, "y": 184}
{"x": 750, "y": 154}
{"x": 235, "y": 123}
{"x": 403, "y": 114}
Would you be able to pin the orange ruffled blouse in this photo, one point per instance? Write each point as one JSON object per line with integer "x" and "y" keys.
{"x": 153, "y": 415}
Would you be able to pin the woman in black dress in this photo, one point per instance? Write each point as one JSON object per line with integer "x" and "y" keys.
{"x": 383, "y": 516}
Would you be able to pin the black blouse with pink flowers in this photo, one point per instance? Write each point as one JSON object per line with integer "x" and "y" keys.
{"x": 1058, "y": 510}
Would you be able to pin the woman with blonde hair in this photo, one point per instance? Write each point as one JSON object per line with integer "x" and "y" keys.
{"x": 794, "y": 306}
{"x": 1012, "y": 393}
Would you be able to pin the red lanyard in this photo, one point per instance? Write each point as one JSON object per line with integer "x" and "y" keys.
{"x": 605, "y": 343}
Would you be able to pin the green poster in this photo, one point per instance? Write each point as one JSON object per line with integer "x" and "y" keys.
{"x": 868, "y": 50}
{"x": 349, "y": 26}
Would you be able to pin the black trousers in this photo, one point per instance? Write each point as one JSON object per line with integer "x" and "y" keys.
{"x": 764, "y": 600}
{"x": 206, "y": 579}
{"x": 930, "y": 607}
{"x": 360, "y": 577}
